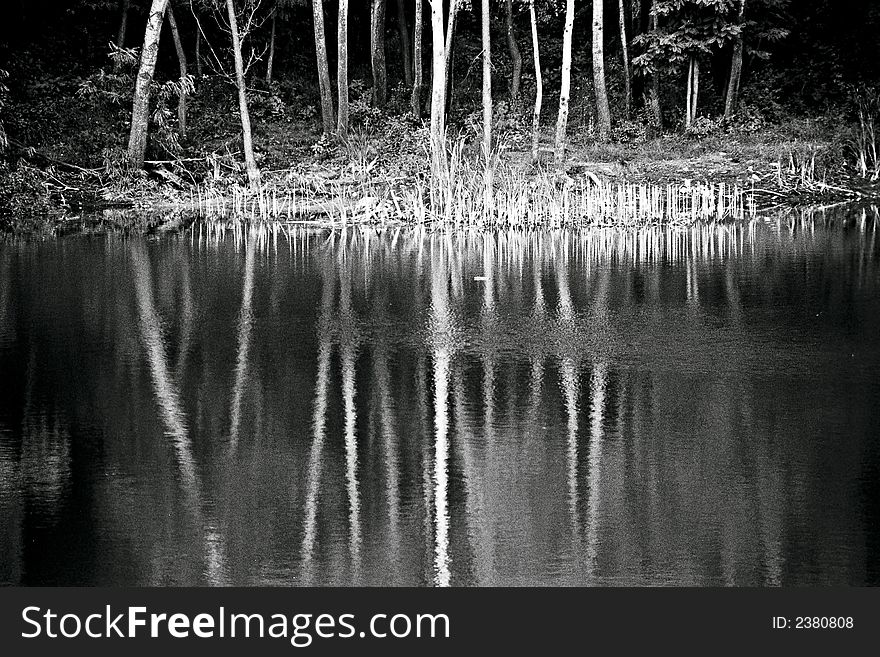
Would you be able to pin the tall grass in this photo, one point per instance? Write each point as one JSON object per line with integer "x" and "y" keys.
{"x": 864, "y": 140}
{"x": 470, "y": 191}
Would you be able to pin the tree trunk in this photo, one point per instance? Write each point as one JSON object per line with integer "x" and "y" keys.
{"x": 732, "y": 99}
{"x": 438, "y": 87}
{"x": 253, "y": 173}
{"x": 271, "y": 61}
{"x": 403, "y": 27}
{"x": 627, "y": 69}
{"x": 693, "y": 91}
{"x": 377, "y": 53}
{"x": 342, "y": 70}
{"x": 653, "y": 93}
{"x": 450, "y": 52}
{"x": 198, "y": 51}
{"x": 123, "y": 24}
{"x": 487, "y": 81}
{"x": 181, "y": 62}
{"x": 515, "y": 57}
{"x": 327, "y": 117}
{"x": 603, "y": 112}
{"x": 140, "y": 113}
{"x": 539, "y": 84}
{"x": 565, "y": 87}
{"x": 417, "y": 61}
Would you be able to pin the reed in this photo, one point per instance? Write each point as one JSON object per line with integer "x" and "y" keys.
{"x": 470, "y": 191}
{"x": 864, "y": 139}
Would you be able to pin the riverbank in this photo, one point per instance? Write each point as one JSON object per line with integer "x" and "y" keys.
{"x": 383, "y": 175}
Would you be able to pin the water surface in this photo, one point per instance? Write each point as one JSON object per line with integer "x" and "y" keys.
{"x": 235, "y": 405}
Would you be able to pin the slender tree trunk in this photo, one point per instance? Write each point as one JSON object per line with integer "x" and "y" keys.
{"x": 487, "y": 81}
{"x": 271, "y": 61}
{"x": 253, "y": 173}
{"x": 181, "y": 62}
{"x": 140, "y": 113}
{"x": 627, "y": 69}
{"x": 417, "y": 61}
{"x": 565, "y": 87}
{"x": 123, "y": 24}
{"x": 438, "y": 87}
{"x": 732, "y": 99}
{"x": 377, "y": 53}
{"x": 198, "y": 51}
{"x": 450, "y": 52}
{"x": 603, "y": 112}
{"x": 406, "y": 45}
{"x": 342, "y": 70}
{"x": 515, "y": 57}
{"x": 693, "y": 92}
{"x": 327, "y": 117}
{"x": 656, "y": 113}
{"x": 539, "y": 84}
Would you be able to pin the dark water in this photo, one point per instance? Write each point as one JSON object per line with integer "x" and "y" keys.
{"x": 284, "y": 406}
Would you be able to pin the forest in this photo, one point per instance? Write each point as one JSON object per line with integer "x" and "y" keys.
{"x": 409, "y": 108}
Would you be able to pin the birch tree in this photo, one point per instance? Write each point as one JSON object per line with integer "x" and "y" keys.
{"x": 565, "y": 85}
{"x": 253, "y": 173}
{"x": 438, "y": 86}
{"x": 140, "y": 113}
{"x": 624, "y": 46}
{"x": 342, "y": 70}
{"x": 487, "y": 80}
{"x": 539, "y": 83}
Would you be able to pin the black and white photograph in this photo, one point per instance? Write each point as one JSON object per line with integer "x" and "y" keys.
{"x": 440, "y": 293}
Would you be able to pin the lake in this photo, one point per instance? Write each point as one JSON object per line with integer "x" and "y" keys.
{"x": 284, "y": 405}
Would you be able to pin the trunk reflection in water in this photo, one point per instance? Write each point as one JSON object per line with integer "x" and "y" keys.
{"x": 243, "y": 405}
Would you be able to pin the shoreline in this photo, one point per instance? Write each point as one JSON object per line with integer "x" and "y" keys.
{"x": 343, "y": 190}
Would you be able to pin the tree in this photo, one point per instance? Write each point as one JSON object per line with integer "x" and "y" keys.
{"x": 732, "y": 97}
{"x": 691, "y": 31}
{"x": 342, "y": 70}
{"x": 438, "y": 87}
{"x": 565, "y": 86}
{"x": 253, "y": 173}
{"x": 539, "y": 83}
{"x": 377, "y": 53}
{"x": 181, "y": 62}
{"x": 603, "y": 112}
{"x": 487, "y": 81}
{"x": 515, "y": 56}
{"x": 449, "y": 50}
{"x": 327, "y": 116}
{"x": 627, "y": 69}
{"x": 406, "y": 46}
{"x": 123, "y": 23}
{"x": 271, "y": 60}
{"x": 140, "y": 113}
{"x": 416, "y": 99}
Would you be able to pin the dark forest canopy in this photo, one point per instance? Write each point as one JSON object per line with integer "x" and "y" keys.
{"x": 665, "y": 65}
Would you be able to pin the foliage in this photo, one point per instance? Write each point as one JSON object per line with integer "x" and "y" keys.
{"x": 109, "y": 94}
{"x": 23, "y": 189}
{"x": 686, "y": 29}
